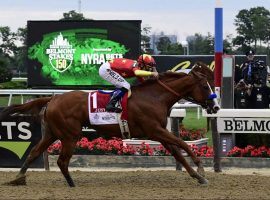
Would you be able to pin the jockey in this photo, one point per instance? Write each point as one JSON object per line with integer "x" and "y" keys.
{"x": 117, "y": 69}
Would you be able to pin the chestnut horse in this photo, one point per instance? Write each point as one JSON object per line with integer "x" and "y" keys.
{"x": 148, "y": 109}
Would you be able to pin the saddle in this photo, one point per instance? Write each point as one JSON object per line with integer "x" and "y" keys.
{"x": 97, "y": 101}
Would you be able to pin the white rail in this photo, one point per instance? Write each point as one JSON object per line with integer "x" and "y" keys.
{"x": 19, "y": 79}
{"x": 33, "y": 92}
{"x": 189, "y": 105}
{"x": 235, "y": 113}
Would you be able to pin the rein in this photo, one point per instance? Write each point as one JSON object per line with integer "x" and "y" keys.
{"x": 168, "y": 88}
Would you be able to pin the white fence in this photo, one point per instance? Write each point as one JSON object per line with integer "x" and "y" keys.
{"x": 29, "y": 92}
{"x": 19, "y": 79}
{"x": 235, "y": 121}
{"x": 189, "y": 105}
{"x": 242, "y": 120}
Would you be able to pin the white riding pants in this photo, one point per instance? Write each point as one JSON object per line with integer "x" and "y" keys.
{"x": 113, "y": 77}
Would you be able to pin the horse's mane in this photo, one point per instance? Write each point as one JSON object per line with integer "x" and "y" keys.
{"x": 170, "y": 74}
{"x": 165, "y": 76}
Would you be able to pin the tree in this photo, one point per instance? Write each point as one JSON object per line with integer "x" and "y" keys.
{"x": 8, "y": 52}
{"x": 252, "y": 26}
{"x": 73, "y": 15}
{"x": 22, "y": 34}
{"x": 21, "y": 53}
{"x": 201, "y": 45}
{"x": 7, "y": 41}
{"x": 175, "y": 49}
{"x": 163, "y": 44}
{"x": 5, "y": 73}
{"x": 145, "y": 40}
{"x": 166, "y": 47}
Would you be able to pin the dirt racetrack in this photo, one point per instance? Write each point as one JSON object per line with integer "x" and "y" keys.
{"x": 135, "y": 185}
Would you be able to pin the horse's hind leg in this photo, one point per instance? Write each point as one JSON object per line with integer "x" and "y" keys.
{"x": 64, "y": 158}
{"x": 36, "y": 151}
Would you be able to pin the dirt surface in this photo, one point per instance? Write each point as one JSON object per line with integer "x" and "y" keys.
{"x": 168, "y": 184}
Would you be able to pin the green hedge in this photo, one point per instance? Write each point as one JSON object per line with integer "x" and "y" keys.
{"x": 13, "y": 85}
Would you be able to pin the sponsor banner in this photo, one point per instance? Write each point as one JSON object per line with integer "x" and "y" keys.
{"x": 243, "y": 125}
{"x": 17, "y": 137}
{"x": 69, "y": 53}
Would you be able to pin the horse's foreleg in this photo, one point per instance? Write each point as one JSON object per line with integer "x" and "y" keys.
{"x": 172, "y": 139}
{"x": 173, "y": 144}
{"x": 176, "y": 152}
{"x": 64, "y": 158}
{"x": 197, "y": 161}
{"x": 36, "y": 151}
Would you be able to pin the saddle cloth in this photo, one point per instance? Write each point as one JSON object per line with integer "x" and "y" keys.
{"x": 97, "y": 102}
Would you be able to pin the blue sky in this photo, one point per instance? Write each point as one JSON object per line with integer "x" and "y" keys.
{"x": 180, "y": 17}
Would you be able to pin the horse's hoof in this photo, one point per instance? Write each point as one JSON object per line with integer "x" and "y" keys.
{"x": 18, "y": 181}
{"x": 217, "y": 170}
{"x": 203, "y": 181}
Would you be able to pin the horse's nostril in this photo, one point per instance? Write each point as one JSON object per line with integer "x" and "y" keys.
{"x": 216, "y": 108}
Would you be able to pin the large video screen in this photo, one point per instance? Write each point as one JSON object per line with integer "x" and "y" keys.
{"x": 69, "y": 53}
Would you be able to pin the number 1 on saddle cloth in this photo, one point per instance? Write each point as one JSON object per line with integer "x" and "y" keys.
{"x": 116, "y": 96}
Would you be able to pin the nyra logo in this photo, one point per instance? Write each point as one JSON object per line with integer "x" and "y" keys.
{"x": 15, "y": 137}
{"x": 60, "y": 53}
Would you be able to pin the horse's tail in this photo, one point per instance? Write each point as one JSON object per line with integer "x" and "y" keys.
{"x": 33, "y": 107}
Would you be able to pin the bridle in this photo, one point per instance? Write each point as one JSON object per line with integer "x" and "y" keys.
{"x": 212, "y": 96}
{"x": 176, "y": 93}
{"x": 168, "y": 88}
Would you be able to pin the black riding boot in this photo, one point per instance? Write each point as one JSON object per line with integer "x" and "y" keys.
{"x": 117, "y": 95}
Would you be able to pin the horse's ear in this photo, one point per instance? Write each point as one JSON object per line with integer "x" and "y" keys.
{"x": 196, "y": 67}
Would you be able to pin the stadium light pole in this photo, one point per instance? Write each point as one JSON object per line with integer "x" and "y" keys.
{"x": 218, "y": 45}
{"x": 79, "y": 6}
{"x": 185, "y": 45}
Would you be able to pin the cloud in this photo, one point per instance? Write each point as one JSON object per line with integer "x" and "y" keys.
{"x": 182, "y": 23}
{"x": 18, "y": 18}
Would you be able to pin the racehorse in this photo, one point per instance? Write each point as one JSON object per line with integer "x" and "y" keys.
{"x": 148, "y": 108}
